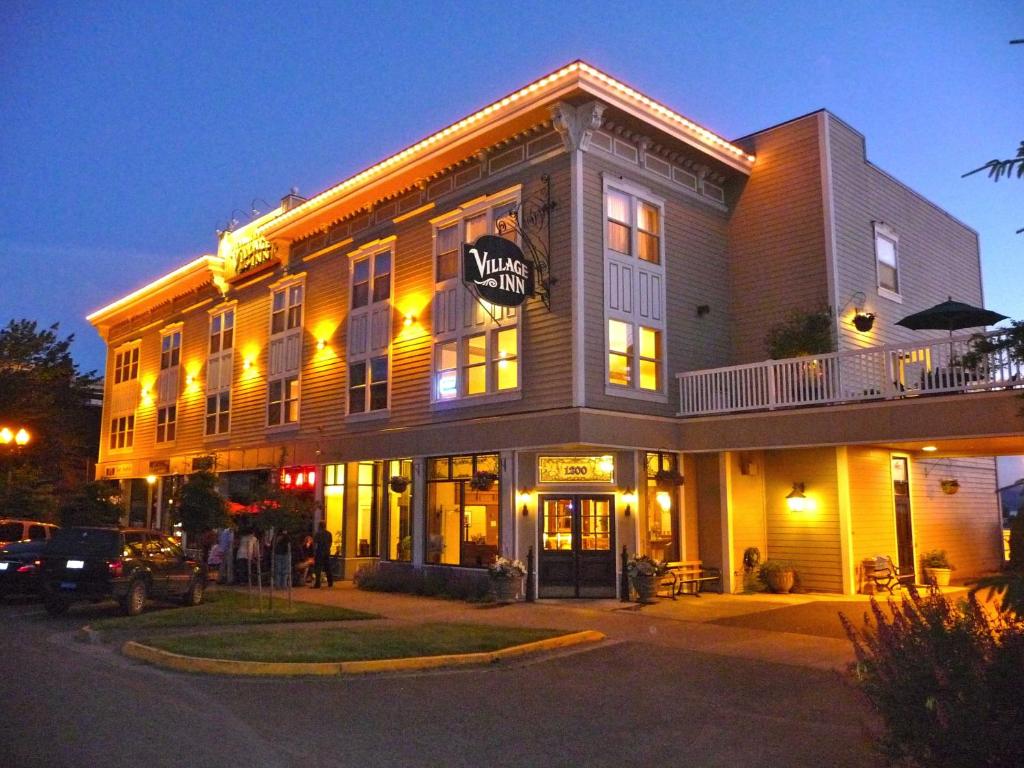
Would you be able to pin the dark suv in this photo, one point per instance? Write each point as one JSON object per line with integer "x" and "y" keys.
{"x": 127, "y": 564}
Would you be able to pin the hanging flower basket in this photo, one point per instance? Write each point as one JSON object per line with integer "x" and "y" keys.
{"x": 950, "y": 486}
{"x": 483, "y": 481}
{"x": 398, "y": 484}
{"x": 669, "y": 478}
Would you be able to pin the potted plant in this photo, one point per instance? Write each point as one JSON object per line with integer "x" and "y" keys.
{"x": 778, "y": 575}
{"x": 405, "y": 548}
{"x": 643, "y": 573}
{"x": 937, "y": 567}
{"x": 398, "y": 484}
{"x": 506, "y": 578}
{"x": 949, "y": 485}
{"x": 668, "y": 478}
{"x": 483, "y": 481}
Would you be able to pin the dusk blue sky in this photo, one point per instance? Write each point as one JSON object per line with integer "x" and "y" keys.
{"x": 131, "y": 131}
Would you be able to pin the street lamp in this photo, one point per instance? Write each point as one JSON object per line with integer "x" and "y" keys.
{"x": 19, "y": 438}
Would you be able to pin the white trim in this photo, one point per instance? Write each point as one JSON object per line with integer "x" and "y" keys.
{"x": 882, "y": 230}
{"x": 655, "y": 178}
{"x": 828, "y": 209}
{"x": 578, "y": 338}
{"x": 885, "y": 293}
{"x": 910, "y": 498}
{"x": 372, "y": 247}
{"x": 847, "y": 563}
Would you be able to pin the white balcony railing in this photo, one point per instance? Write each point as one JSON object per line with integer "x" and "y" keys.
{"x": 876, "y": 373}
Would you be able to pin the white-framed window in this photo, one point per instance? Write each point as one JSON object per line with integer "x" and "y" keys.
{"x": 170, "y": 349}
{"x": 285, "y": 351}
{"x": 477, "y": 347}
{"x": 887, "y": 261}
{"x": 219, "y": 371}
{"x": 126, "y": 364}
{"x": 168, "y": 381}
{"x": 166, "y": 423}
{"x": 635, "y": 323}
{"x": 122, "y": 432}
{"x": 371, "y": 286}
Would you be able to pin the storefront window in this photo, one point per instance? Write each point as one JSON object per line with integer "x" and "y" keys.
{"x": 334, "y": 502}
{"x": 399, "y": 473}
{"x": 662, "y": 506}
{"x": 366, "y": 520}
{"x": 463, "y": 506}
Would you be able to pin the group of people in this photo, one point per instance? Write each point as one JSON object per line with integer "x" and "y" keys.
{"x": 241, "y": 556}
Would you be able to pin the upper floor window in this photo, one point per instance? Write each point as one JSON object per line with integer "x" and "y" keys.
{"x": 170, "y": 350}
{"x": 219, "y": 371}
{"x": 369, "y": 335}
{"x": 122, "y": 432}
{"x": 887, "y": 258}
{"x": 126, "y": 364}
{"x": 222, "y": 331}
{"x": 634, "y": 291}
{"x": 477, "y": 346}
{"x": 284, "y": 353}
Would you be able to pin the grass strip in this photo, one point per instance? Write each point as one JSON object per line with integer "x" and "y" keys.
{"x": 344, "y": 644}
{"x": 230, "y": 608}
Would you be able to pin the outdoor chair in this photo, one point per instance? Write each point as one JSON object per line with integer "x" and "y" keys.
{"x": 887, "y": 575}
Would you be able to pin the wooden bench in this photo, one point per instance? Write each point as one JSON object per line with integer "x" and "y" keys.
{"x": 885, "y": 574}
{"x": 687, "y": 577}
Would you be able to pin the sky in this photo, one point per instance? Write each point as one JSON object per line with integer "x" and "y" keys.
{"x": 131, "y": 132}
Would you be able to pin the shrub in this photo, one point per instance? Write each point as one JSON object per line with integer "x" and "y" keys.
{"x": 801, "y": 333}
{"x": 936, "y": 558}
{"x": 430, "y": 582}
{"x": 946, "y": 680}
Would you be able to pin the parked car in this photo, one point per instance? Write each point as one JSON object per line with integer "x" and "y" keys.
{"x": 129, "y": 565}
{"x": 14, "y": 529}
{"x": 19, "y": 568}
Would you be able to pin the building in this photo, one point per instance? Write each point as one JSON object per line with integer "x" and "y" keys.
{"x": 626, "y": 403}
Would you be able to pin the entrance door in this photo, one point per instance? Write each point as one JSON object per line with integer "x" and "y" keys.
{"x": 577, "y": 546}
{"x": 904, "y": 522}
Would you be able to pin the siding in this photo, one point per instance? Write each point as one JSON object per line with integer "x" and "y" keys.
{"x": 809, "y": 539}
{"x": 695, "y": 274}
{"x": 747, "y": 506}
{"x": 323, "y": 430}
{"x": 872, "y": 516}
{"x": 938, "y": 256}
{"x": 777, "y": 236}
{"x": 967, "y": 525}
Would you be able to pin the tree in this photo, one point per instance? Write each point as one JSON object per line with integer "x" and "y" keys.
{"x": 42, "y": 390}
{"x": 200, "y": 505}
{"x": 94, "y": 503}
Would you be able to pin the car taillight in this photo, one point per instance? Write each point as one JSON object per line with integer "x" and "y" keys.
{"x": 29, "y": 567}
{"x": 116, "y": 568}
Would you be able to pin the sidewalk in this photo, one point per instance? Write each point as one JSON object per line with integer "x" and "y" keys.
{"x": 691, "y": 624}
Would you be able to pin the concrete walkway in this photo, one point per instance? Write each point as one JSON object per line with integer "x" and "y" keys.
{"x": 724, "y": 625}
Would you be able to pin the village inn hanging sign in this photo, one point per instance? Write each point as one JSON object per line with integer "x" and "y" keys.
{"x": 498, "y": 271}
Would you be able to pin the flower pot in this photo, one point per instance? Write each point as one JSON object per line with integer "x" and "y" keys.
{"x": 938, "y": 576}
{"x": 949, "y": 487}
{"x": 646, "y": 587}
{"x": 781, "y": 582}
{"x": 506, "y": 589}
{"x": 398, "y": 484}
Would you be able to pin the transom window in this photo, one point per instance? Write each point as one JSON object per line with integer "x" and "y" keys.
{"x": 126, "y": 365}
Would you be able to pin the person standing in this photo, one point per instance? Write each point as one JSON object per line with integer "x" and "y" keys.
{"x": 282, "y": 555}
{"x": 247, "y": 557}
{"x": 322, "y": 555}
{"x": 226, "y": 540}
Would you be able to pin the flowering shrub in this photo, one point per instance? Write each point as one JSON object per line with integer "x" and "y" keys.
{"x": 642, "y": 565}
{"x": 946, "y": 679}
{"x": 503, "y": 568}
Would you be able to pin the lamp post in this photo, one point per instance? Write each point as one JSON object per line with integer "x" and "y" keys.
{"x": 14, "y": 440}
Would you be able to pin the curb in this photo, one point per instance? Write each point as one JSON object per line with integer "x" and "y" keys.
{"x": 194, "y": 664}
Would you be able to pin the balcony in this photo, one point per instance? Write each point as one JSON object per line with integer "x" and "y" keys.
{"x": 892, "y": 372}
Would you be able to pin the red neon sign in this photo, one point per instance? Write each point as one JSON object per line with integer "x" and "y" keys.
{"x": 298, "y": 478}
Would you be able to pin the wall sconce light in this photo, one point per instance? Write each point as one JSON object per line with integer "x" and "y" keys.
{"x": 523, "y": 497}
{"x": 629, "y": 496}
{"x": 320, "y": 344}
{"x": 607, "y": 464}
{"x": 864, "y": 321}
{"x": 796, "y": 500}
{"x": 408, "y": 320}
{"x": 247, "y": 364}
{"x": 664, "y": 500}
{"x": 151, "y": 479}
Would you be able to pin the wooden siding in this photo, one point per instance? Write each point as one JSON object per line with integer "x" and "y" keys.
{"x": 747, "y": 505}
{"x": 938, "y": 256}
{"x": 695, "y": 274}
{"x": 872, "y": 516}
{"x": 810, "y": 540}
{"x": 777, "y": 236}
{"x": 323, "y": 425}
{"x": 968, "y": 524}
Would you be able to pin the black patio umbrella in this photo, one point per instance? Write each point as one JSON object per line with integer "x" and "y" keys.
{"x": 950, "y": 316}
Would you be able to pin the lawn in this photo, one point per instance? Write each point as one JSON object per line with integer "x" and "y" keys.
{"x": 344, "y": 644}
{"x": 227, "y": 608}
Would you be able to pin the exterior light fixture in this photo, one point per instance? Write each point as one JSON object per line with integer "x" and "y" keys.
{"x": 320, "y": 344}
{"x": 19, "y": 438}
{"x": 247, "y": 364}
{"x": 523, "y": 496}
{"x": 6, "y": 436}
{"x": 929, "y": 448}
{"x": 664, "y": 500}
{"x": 607, "y": 464}
{"x": 408, "y": 320}
{"x": 796, "y": 500}
{"x": 151, "y": 479}
{"x": 629, "y": 496}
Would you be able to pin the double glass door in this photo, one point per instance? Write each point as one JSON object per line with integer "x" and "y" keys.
{"x": 577, "y": 546}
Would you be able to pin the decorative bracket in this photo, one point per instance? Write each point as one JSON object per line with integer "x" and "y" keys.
{"x": 576, "y": 125}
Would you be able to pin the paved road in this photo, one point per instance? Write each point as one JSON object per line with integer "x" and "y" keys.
{"x": 69, "y": 704}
